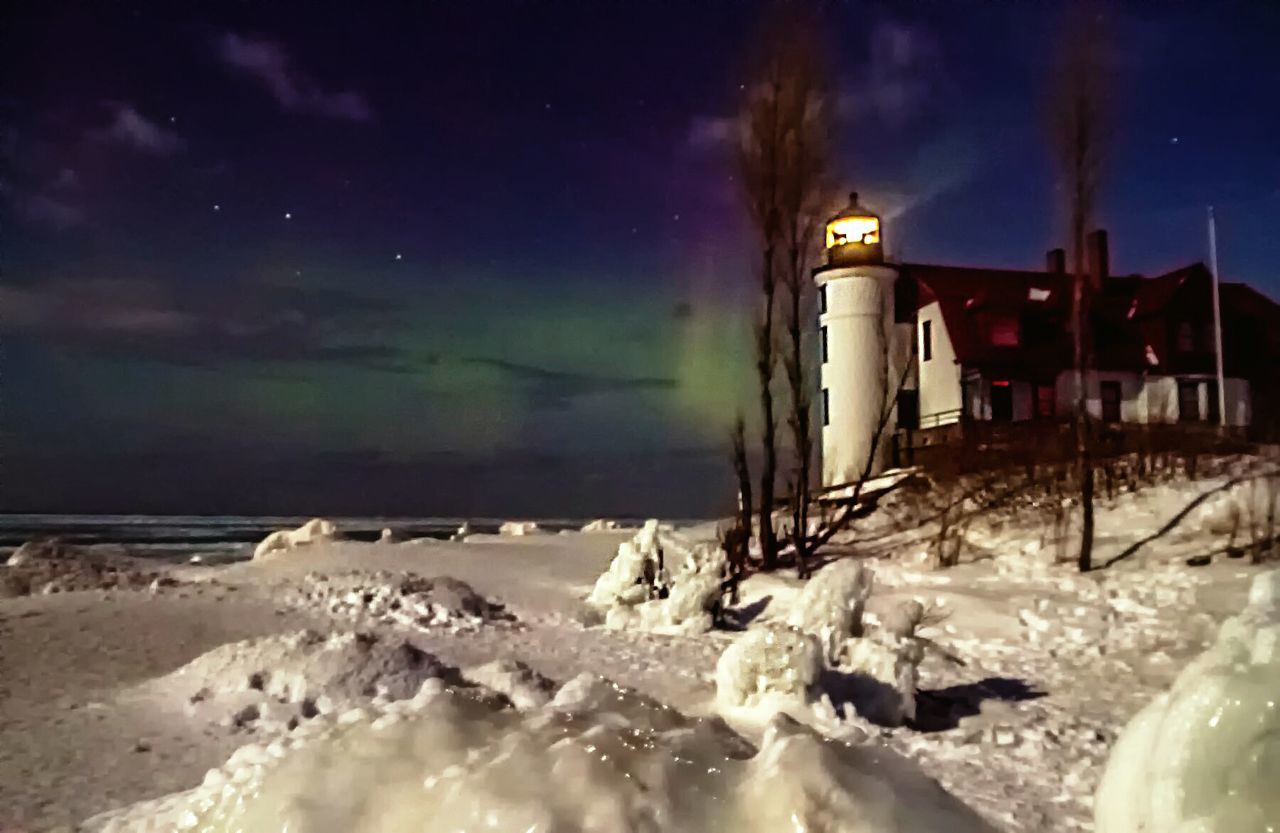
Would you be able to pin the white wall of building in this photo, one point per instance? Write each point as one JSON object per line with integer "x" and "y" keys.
{"x": 1152, "y": 400}
{"x": 939, "y": 377}
{"x": 862, "y": 370}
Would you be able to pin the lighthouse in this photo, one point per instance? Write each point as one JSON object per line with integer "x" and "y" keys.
{"x": 864, "y": 349}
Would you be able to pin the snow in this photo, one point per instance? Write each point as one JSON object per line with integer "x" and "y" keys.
{"x": 313, "y": 531}
{"x": 1205, "y": 756}
{"x": 600, "y": 525}
{"x": 404, "y": 599}
{"x": 597, "y": 757}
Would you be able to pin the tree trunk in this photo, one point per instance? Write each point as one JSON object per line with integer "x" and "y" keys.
{"x": 1084, "y": 456}
{"x": 769, "y": 426}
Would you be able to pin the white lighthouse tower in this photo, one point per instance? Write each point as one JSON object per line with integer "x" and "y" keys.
{"x": 862, "y": 355}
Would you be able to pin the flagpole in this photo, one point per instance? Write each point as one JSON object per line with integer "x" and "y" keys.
{"x": 1217, "y": 320}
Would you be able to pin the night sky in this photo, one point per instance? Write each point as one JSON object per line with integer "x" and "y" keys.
{"x": 489, "y": 259}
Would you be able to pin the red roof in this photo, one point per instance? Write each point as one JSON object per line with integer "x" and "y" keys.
{"x": 1133, "y": 320}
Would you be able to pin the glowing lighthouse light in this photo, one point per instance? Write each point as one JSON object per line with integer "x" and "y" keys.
{"x": 857, "y": 335}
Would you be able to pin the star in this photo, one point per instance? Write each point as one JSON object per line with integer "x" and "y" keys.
{"x": 217, "y": 207}
{"x": 676, "y": 217}
{"x": 1174, "y": 140}
{"x": 398, "y": 256}
{"x": 173, "y": 120}
{"x": 288, "y": 215}
{"x": 548, "y": 105}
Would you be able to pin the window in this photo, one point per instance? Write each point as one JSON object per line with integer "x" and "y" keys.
{"x": 823, "y": 331}
{"x": 1003, "y": 331}
{"x": 1215, "y": 414}
{"x": 1186, "y": 337}
{"x": 905, "y": 300}
{"x": 822, "y": 299}
{"x": 926, "y": 339}
{"x": 1110, "y": 401}
{"x": 909, "y": 409}
{"x": 1046, "y": 401}
{"x": 1188, "y": 402}
{"x": 1001, "y": 401}
{"x": 826, "y": 407}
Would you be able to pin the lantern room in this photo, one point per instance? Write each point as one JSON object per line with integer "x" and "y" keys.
{"x": 853, "y": 236}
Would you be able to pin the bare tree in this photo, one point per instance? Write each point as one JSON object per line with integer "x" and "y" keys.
{"x": 1078, "y": 131}
{"x": 741, "y": 541}
{"x": 781, "y": 159}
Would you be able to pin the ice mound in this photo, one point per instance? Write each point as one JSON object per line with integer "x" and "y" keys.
{"x": 830, "y": 606}
{"x": 518, "y": 528}
{"x": 600, "y": 525}
{"x": 640, "y": 592}
{"x": 313, "y": 531}
{"x": 1204, "y": 757}
{"x": 767, "y": 664}
{"x": 295, "y": 676}
{"x": 405, "y": 599}
{"x": 446, "y": 761}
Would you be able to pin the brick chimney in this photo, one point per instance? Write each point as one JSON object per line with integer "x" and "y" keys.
{"x": 1098, "y": 253}
{"x": 1055, "y": 261}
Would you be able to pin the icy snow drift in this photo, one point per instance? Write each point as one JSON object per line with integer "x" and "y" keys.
{"x": 1204, "y": 757}
{"x": 597, "y": 758}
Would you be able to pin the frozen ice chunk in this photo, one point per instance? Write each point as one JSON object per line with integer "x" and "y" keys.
{"x": 767, "y": 662}
{"x": 1205, "y": 755}
{"x": 830, "y": 607}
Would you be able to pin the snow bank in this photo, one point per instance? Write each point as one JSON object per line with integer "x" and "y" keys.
{"x": 50, "y": 566}
{"x": 597, "y": 758}
{"x": 404, "y": 599}
{"x": 518, "y": 528}
{"x": 314, "y": 531}
{"x": 287, "y": 678}
{"x": 1205, "y": 756}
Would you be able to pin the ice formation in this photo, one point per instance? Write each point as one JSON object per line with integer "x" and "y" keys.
{"x": 660, "y": 582}
{"x": 767, "y": 664}
{"x": 313, "y": 531}
{"x": 518, "y": 528}
{"x": 1204, "y": 757}
{"x": 597, "y": 758}
{"x": 600, "y": 525}
{"x": 830, "y": 607}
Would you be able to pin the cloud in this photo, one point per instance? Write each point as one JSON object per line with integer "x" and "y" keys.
{"x": 241, "y": 322}
{"x": 292, "y": 89}
{"x": 130, "y": 128}
{"x": 904, "y": 70}
{"x": 554, "y": 389}
{"x": 50, "y": 211}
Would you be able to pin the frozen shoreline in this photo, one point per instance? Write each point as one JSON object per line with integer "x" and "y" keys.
{"x": 1019, "y": 732}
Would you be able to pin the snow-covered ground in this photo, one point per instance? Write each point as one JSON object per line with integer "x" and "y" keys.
{"x": 468, "y": 694}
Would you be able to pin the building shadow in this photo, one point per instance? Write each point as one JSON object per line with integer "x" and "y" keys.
{"x": 943, "y": 708}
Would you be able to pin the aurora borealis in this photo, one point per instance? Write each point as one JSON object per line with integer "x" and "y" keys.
{"x": 431, "y": 259}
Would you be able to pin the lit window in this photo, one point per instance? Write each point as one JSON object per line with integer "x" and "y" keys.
{"x": 824, "y": 345}
{"x": 864, "y": 230}
{"x": 826, "y": 407}
{"x": 926, "y": 339}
